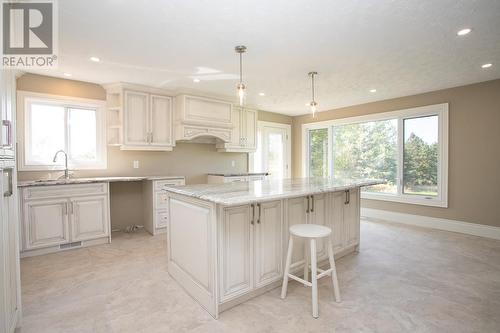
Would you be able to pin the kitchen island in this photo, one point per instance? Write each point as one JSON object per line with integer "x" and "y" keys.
{"x": 227, "y": 242}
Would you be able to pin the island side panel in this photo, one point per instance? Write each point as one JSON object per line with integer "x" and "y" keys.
{"x": 192, "y": 248}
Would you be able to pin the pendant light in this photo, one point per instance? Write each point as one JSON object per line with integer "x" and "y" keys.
{"x": 313, "y": 103}
{"x": 240, "y": 49}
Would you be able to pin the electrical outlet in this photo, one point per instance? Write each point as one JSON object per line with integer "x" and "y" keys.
{"x": 136, "y": 164}
{"x": 233, "y": 164}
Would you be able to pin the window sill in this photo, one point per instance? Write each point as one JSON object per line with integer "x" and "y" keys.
{"x": 413, "y": 200}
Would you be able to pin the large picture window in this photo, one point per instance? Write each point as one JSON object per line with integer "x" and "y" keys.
{"x": 52, "y": 124}
{"x": 407, "y": 148}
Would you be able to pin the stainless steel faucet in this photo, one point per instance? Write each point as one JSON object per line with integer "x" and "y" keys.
{"x": 66, "y": 171}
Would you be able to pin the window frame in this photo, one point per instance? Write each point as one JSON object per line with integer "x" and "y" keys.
{"x": 439, "y": 110}
{"x": 25, "y": 99}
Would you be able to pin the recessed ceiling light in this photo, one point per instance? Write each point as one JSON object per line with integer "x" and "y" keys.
{"x": 486, "y": 66}
{"x": 67, "y": 74}
{"x": 308, "y": 104}
{"x": 373, "y": 90}
{"x": 95, "y": 59}
{"x": 262, "y": 94}
{"x": 464, "y": 32}
{"x": 196, "y": 80}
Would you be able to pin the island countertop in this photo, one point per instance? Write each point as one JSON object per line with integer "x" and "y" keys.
{"x": 240, "y": 193}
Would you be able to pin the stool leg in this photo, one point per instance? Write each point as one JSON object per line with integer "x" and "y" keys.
{"x": 334, "y": 271}
{"x": 287, "y": 267}
{"x": 314, "y": 279}
{"x": 306, "y": 262}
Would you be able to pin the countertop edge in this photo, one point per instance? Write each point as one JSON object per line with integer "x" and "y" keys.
{"x": 91, "y": 180}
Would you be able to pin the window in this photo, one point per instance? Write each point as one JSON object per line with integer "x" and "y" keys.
{"x": 53, "y": 123}
{"x": 407, "y": 148}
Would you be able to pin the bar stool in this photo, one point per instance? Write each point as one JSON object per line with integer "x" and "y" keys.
{"x": 311, "y": 232}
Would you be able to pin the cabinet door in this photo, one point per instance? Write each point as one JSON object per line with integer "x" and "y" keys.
{"x": 296, "y": 214}
{"x": 161, "y": 121}
{"x": 236, "y": 252}
{"x": 46, "y": 223}
{"x": 351, "y": 218}
{"x": 89, "y": 218}
{"x": 10, "y": 252}
{"x": 250, "y": 128}
{"x": 336, "y": 220}
{"x": 136, "y": 116}
{"x": 7, "y": 104}
{"x": 268, "y": 243}
{"x": 319, "y": 215}
{"x": 236, "y": 134}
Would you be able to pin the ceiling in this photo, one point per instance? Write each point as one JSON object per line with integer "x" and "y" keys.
{"x": 398, "y": 47}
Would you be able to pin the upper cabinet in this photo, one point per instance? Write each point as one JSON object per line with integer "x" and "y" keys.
{"x": 244, "y": 132}
{"x": 200, "y": 117}
{"x": 139, "y": 119}
{"x": 7, "y": 104}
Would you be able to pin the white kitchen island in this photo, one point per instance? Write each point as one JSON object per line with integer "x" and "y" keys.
{"x": 227, "y": 242}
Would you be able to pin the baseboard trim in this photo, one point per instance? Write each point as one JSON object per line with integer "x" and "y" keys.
{"x": 433, "y": 223}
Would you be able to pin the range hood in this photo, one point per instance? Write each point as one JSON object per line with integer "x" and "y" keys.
{"x": 200, "y": 119}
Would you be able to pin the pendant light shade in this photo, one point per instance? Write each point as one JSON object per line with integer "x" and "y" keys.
{"x": 313, "y": 103}
{"x": 240, "y": 49}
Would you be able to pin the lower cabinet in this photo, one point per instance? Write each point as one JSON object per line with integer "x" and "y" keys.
{"x": 251, "y": 248}
{"x": 63, "y": 216}
{"x": 89, "y": 218}
{"x": 46, "y": 223}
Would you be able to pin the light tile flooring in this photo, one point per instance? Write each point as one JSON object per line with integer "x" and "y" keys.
{"x": 405, "y": 279}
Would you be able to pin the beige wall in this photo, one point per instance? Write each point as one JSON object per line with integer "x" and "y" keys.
{"x": 191, "y": 160}
{"x": 474, "y": 150}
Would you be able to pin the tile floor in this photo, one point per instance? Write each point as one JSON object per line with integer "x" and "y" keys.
{"x": 405, "y": 279}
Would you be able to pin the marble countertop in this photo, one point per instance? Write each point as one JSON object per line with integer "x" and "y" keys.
{"x": 230, "y": 194}
{"x": 244, "y": 174}
{"x": 48, "y": 182}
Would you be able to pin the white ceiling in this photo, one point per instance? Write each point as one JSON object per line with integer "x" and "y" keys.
{"x": 399, "y": 47}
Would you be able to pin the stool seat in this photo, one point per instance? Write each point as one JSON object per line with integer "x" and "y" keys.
{"x": 310, "y": 230}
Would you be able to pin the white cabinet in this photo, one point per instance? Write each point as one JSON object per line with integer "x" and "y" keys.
{"x": 139, "y": 118}
{"x": 251, "y": 248}
{"x": 7, "y": 120}
{"x": 244, "y": 132}
{"x": 318, "y": 214}
{"x": 148, "y": 121}
{"x": 64, "y": 216}
{"x": 351, "y": 217}
{"x": 344, "y": 218}
{"x": 296, "y": 213}
{"x": 217, "y": 179}
{"x": 155, "y": 201}
{"x": 46, "y": 223}
{"x": 10, "y": 300}
{"x": 136, "y": 132}
{"x": 89, "y": 217}
{"x": 199, "y": 117}
{"x": 236, "y": 252}
{"x": 268, "y": 243}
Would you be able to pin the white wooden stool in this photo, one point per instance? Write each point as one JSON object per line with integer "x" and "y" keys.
{"x": 311, "y": 232}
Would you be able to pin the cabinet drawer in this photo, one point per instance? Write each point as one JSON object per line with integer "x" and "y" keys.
{"x": 161, "y": 200}
{"x": 161, "y": 184}
{"x": 36, "y": 192}
{"x": 235, "y": 179}
{"x": 161, "y": 219}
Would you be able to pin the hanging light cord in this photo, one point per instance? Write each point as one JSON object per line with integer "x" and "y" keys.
{"x": 312, "y": 84}
{"x": 241, "y": 68}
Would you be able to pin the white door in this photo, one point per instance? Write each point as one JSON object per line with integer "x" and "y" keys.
{"x": 161, "y": 120}
{"x": 250, "y": 128}
{"x": 336, "y": 215}
{"x": 296, "y": 214}
{"x": 268, "y": 243}
{"x": 46, "y": 223}
{"x": 236, "y": 252}
{"x": 319, "y": 215}
{"x": 9, "y": 252}
{"x": 273, "y": 150}
{"x": 136, "y": 118}
{"x": 236, "y": 135}
{"x": 351, "y": 217}
{"x": 89, "y": 218}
